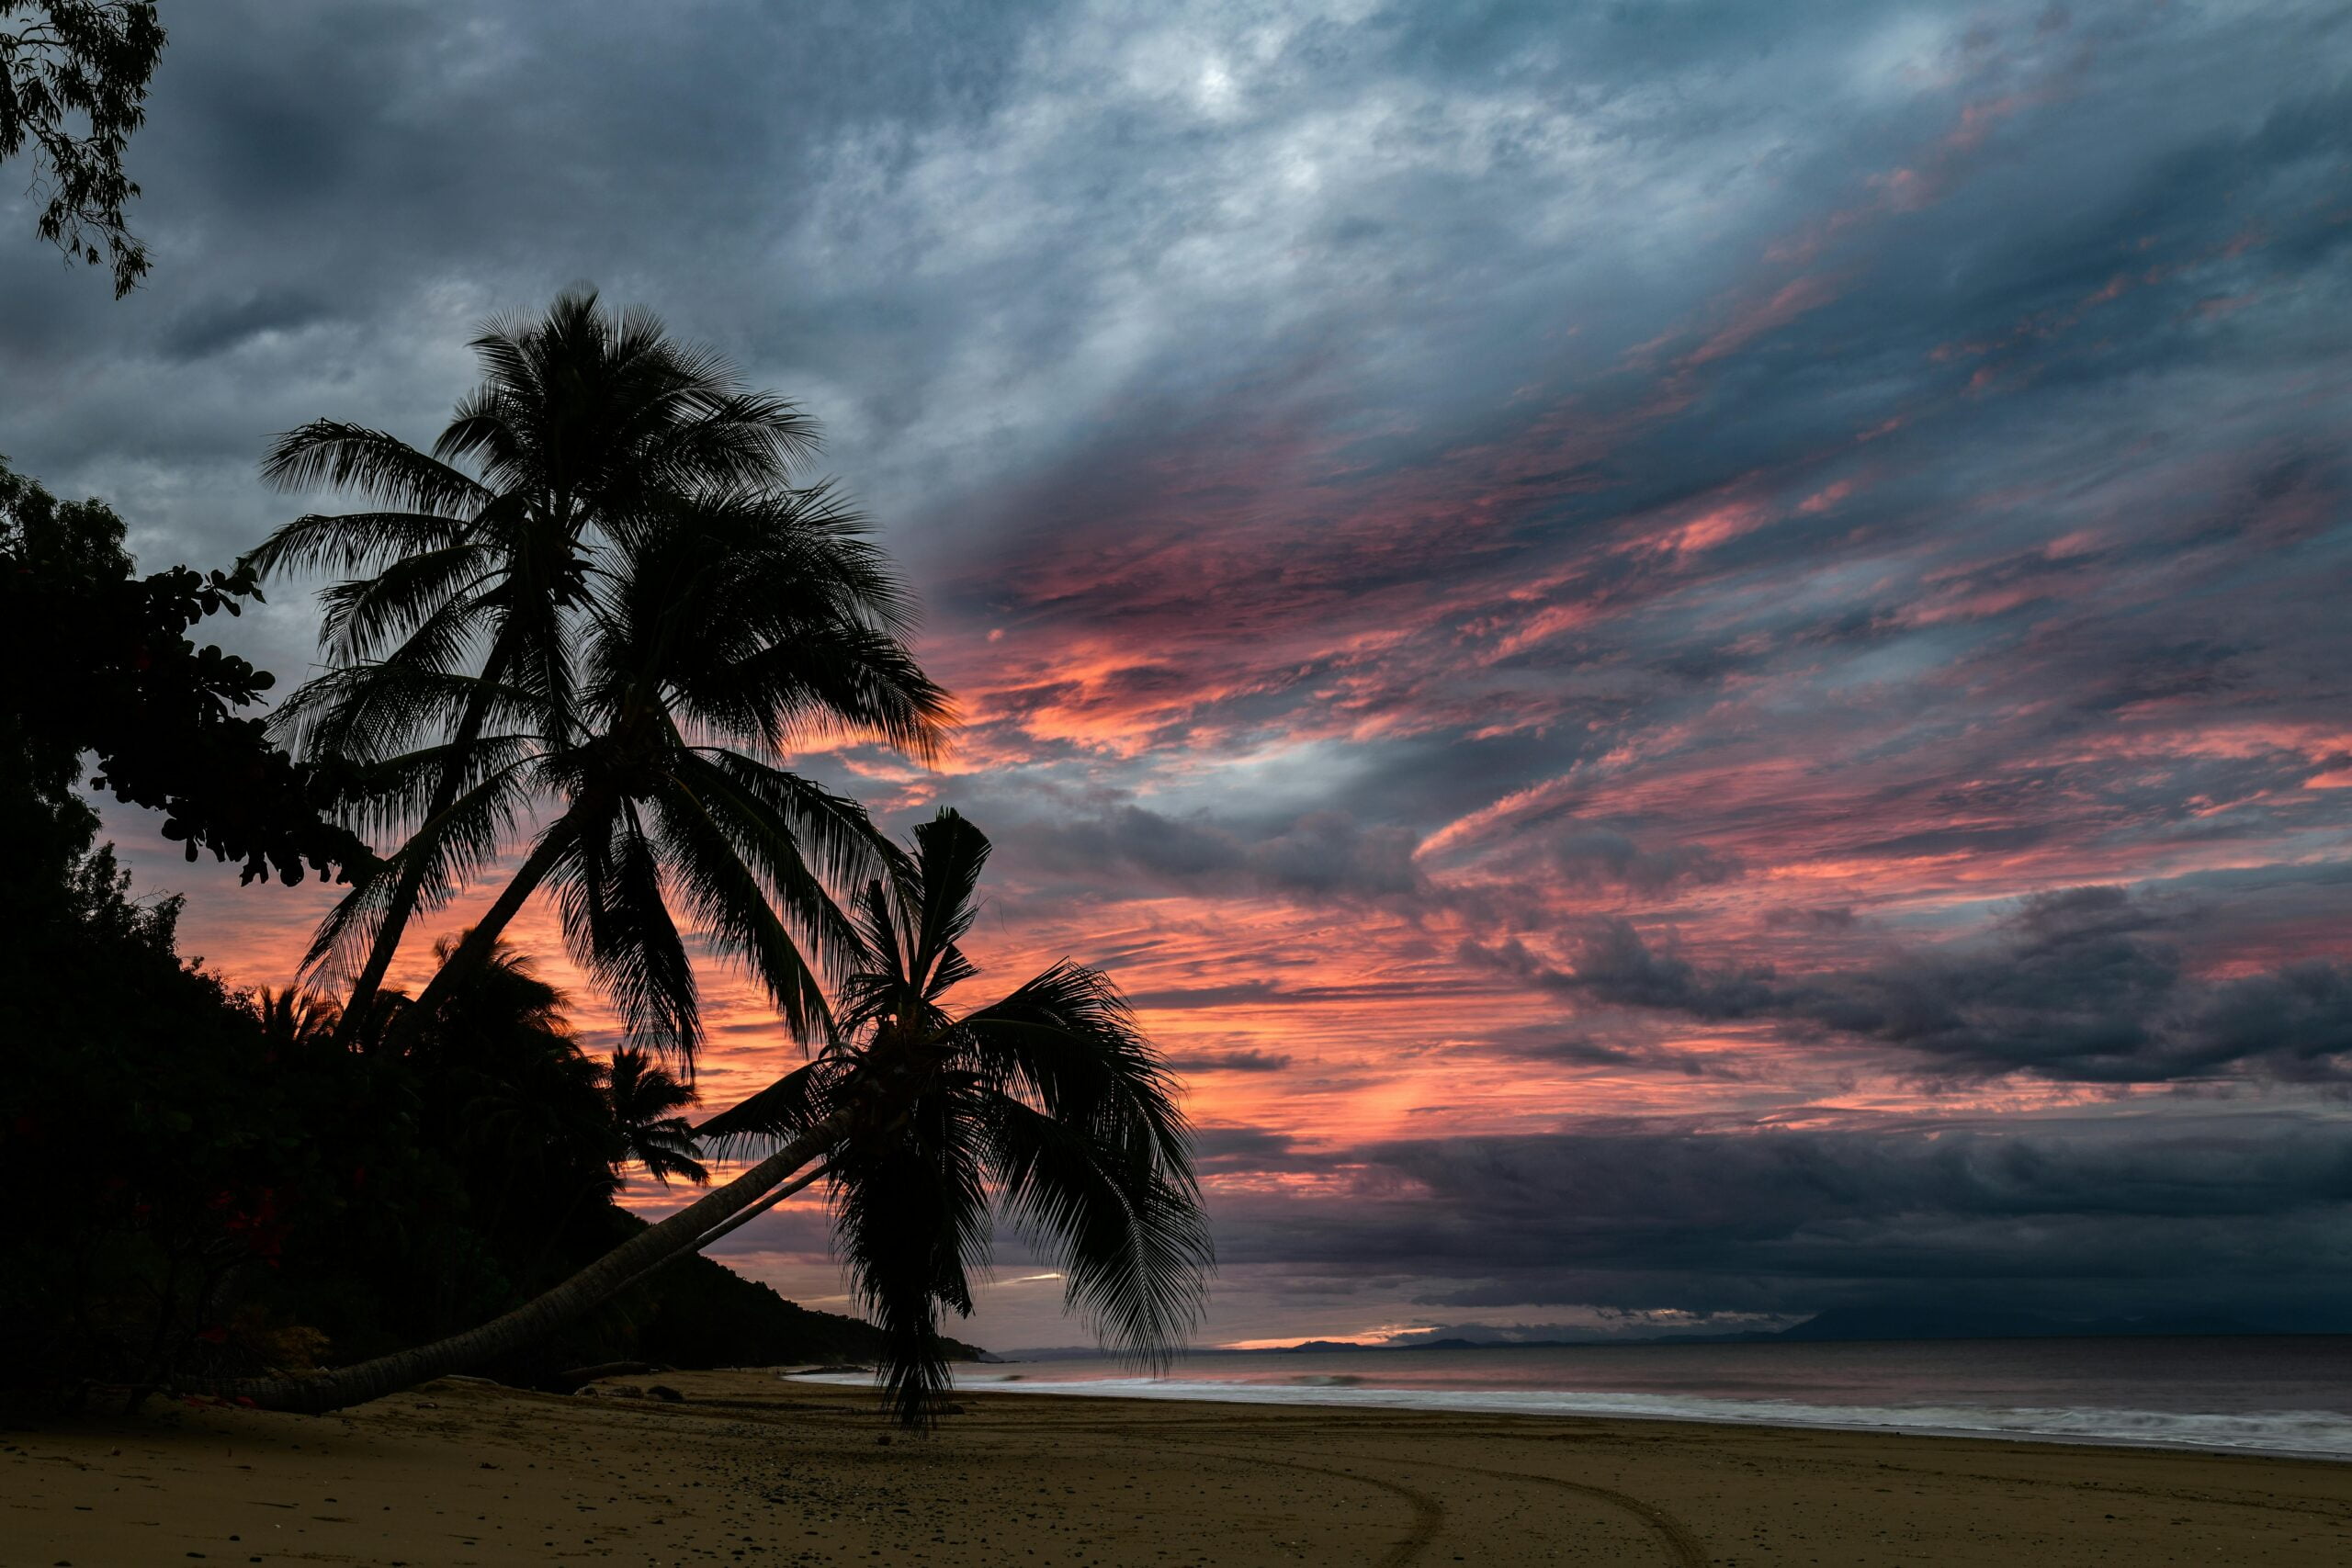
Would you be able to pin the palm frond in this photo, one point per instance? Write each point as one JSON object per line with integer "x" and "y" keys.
{"x": 782, "y": 1111}
{"x": 1125, "y": 1229}
{"x": 442, "y": 584}
{"x": 734, "y": 864}
{"x": 949, "y": 855}
{"x": 329, "y": 452}
{"x": 1069, "y": 1041}
{"x": 618, "y": 927}
{"x": 350, "y": 540}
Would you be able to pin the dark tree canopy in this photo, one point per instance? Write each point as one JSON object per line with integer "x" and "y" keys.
{"x": 73, "y": 77}
{"x": 96, "y": 660}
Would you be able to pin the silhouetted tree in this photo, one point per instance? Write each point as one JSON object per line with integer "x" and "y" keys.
{"x": 98, "y": 660}
{"x": 295, "y": 1022}
{"x": 647, "y": 1126}
{"x": 454, "y": 678}
{"x": 722, "y": 632}
{"x": 1048, "y": 1103}
{"x": 73, "y": 77}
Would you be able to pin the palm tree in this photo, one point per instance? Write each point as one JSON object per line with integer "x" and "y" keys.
{"x": 582, "y": 420}
{"x": 727, "y": 630}
{"x": 1048, "y": 1105}
{"x": 647, "y": 1132}
{"x": 293, "y": 1022}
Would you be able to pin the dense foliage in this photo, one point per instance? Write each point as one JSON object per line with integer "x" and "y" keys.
{"x": 99, "y": 660}
{"x": 268, "y": 1196}
{"x": 209, "y": 1182}
{"x": 625, "y": 604}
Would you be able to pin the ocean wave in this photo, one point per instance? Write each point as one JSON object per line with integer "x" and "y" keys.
{"x": 2316, "y": 1434}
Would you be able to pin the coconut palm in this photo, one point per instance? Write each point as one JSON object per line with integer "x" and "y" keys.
{"x": 723, "y": 633}
{"x": 584, "y": 419}
{"x": 1048, "y": 1106}
{"x": 647, "y": 1132}
{"x": 293, "y": 1022}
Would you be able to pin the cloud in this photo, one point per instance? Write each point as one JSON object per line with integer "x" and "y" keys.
{"x": 2081, "y": 985}
{"x": 1589, "y": 853}
{"x": 1320, "y": 855}
{"x": 1532, "y": 561}
{"x": 1229, "y": 1062}
{"x": 2087, "y": 1216}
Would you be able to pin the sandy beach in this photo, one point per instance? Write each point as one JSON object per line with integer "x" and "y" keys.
{"x": 751, "y": 1469}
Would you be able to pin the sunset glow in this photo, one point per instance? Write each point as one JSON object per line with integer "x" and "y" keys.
{"x": 1679, "y": 709}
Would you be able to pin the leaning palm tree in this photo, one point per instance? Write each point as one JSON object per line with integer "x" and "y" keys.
{"x": 722, "y": 634}
{"x": 1048, "y": 1106}
{"x": 584, "y": 418}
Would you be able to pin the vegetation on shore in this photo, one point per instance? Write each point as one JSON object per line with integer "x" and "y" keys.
{"x": 606, "y": 602}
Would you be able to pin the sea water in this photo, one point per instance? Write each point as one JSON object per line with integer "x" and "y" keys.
{"x": 2289, "y": 1394}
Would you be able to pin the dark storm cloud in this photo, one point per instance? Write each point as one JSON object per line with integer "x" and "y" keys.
{"x": 2086, "y": 984}
{"x": 2088, "y": 1217}
{"x": 1324, "y": 855}
{"x": 1229, "y": 1062}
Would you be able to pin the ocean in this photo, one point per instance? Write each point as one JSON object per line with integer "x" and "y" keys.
{"x": 2284, "y": 1396}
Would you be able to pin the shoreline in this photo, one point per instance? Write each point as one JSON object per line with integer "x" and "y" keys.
{"x": 1551, "y": 1404}
{"x": 750, "y": 1467}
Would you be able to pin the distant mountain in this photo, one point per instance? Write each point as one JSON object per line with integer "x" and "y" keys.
{"x": 1963, "y": 1323}
{"x": 703, "y": 1314}
{"x": 1837, "y": 1324}
{"x": 1853, "y": 1324}
{"x": 698, "y": 1313}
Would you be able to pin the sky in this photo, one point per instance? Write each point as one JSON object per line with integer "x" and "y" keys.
{"x": 1690, "y": 657}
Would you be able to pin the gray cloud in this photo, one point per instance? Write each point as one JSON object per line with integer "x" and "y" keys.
{"x": 2085, "y": 1217}
{"x": 2084, "y": 985}
{"x": 1229, "y": 1061}
{"x": 1324, "y": 855}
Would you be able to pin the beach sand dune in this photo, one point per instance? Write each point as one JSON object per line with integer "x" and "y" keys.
{"x": 751, "y": 1469}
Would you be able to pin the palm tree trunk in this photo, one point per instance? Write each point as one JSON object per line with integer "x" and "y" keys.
{"x": 482, "y": 940}
{"x": 396, "y": 913}
{"x": 411, "y": 886}
{"x": 686, "y": 1231}
{"x": 741, "y": 1217}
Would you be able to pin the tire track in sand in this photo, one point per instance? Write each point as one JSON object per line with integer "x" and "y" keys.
{"x": 1429, "y": 1512}
{"x": 1685, "y": 1548}
{"x": 1689, "y": 1553}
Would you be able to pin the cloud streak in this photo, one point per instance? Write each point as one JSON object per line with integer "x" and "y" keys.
{"x": 1508, "y": 565}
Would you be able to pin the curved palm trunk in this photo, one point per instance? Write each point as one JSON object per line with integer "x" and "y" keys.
{"x": 686, "y": 1231}
{"x": 741, "y": 1217}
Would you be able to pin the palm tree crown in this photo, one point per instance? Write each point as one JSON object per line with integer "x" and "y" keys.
{"x": 1048, "y": 1105}
{"x": 606, "y": 455}
{"x": 647, "y": 1132}
{"x": 723, "y": 632}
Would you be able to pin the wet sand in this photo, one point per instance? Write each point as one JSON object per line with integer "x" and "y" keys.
{"x": 753, "y": 1469}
